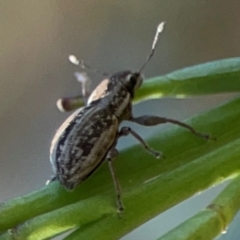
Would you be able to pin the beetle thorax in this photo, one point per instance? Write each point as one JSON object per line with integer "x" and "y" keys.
{"x": 116, "y": 93}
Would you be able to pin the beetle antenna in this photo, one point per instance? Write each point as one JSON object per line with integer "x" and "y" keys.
{"x": 74, "y": 60}
{"x": 155, "y": 40}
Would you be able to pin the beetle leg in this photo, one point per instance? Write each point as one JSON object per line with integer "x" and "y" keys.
{"x": 148, "y": 120}
{"x": 85, "y": 81}
{"x": 124, "y": 131}
{"x": 52, "y": 179}
{"x": 67, "y": 104}
{"x": 112, "y": 153}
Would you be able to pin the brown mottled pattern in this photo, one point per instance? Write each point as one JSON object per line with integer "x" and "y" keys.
{"x": 113, "y": 94}
{"x": 83, "y": 144}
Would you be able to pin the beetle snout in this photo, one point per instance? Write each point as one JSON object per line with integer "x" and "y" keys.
{"x": 139, "y": 80}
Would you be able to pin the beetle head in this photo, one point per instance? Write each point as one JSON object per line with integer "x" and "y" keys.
{"x": 130, "y": 80}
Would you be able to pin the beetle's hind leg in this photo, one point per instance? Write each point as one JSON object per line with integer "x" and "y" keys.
{"x": 148, "y": 120}
{"x": 112, "y": 153}
{"x": 125, "y": 131}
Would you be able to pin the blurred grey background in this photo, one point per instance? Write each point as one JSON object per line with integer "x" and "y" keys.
{"x": 36, "y": 39}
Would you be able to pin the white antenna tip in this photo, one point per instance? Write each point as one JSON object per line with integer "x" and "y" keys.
{"x": 73, "y": 59}
{"x": 160, "y": 27}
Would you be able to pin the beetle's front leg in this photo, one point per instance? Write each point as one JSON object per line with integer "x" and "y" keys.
{"x": 148, "y": 120}
{"x": 85, "y": 81}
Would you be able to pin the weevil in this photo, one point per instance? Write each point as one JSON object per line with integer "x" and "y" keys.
{"x": 90, "y": 135}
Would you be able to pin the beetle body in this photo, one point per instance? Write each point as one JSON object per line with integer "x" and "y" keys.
{"x": 82, "y": 142}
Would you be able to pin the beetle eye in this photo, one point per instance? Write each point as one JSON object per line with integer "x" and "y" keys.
{"x": 133, "y": 80}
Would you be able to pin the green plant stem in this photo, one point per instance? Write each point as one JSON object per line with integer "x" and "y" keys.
{"x": 208, "y": 78}
{"x": 212, "y": 221}
{"x": 62, "y": 219}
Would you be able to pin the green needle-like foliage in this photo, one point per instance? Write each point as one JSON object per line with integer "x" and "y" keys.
{"x": 149, "y": 186}
{"x": 209, "y": 78}
{"x": 213, "y": 220}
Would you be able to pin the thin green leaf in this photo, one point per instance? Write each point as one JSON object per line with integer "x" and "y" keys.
{"x": 212, "y": 221}
{"x": 220, "y": 76}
